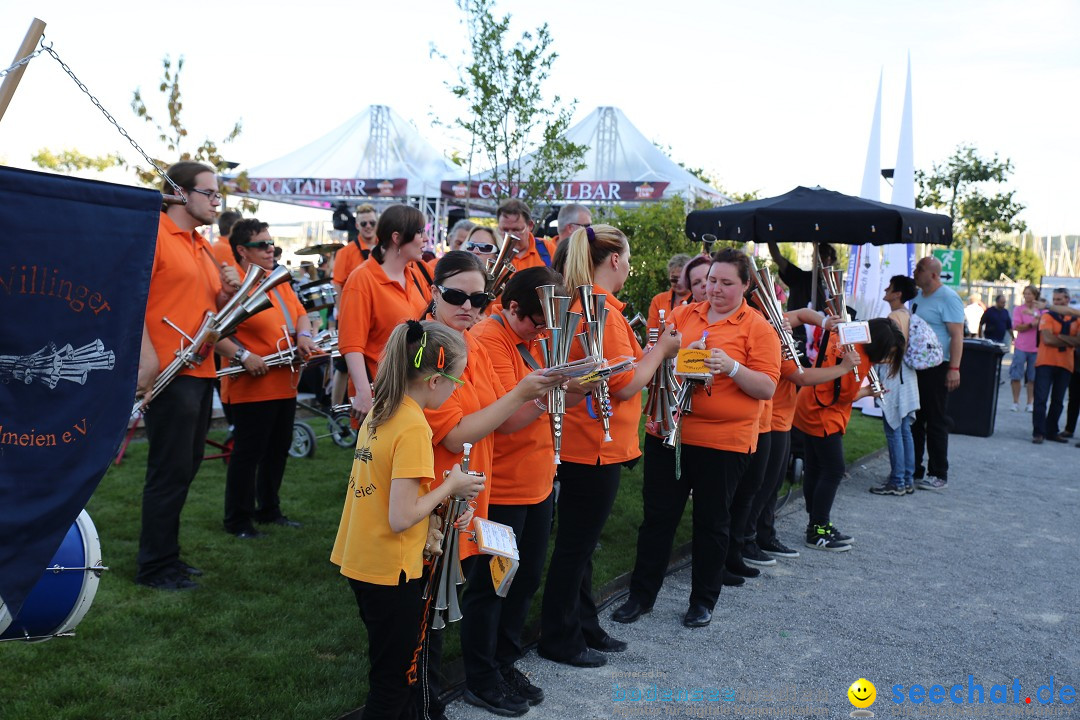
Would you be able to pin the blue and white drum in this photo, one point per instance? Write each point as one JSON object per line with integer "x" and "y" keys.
{"x": 65, "y": 592}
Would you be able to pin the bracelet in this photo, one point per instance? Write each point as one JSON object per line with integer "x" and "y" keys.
{"x": 734, "y": 369}
{"x": 542, "y": 406}
{"x": 240, "y": 356}
{"x": 955, "y": 368}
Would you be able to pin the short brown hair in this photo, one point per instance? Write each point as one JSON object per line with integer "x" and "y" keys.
{"x": 514, "y": 206}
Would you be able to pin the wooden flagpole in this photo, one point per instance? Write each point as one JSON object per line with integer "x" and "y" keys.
{"x": 11, "y": 80}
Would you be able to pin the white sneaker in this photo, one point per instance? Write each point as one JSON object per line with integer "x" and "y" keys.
{"x": 1015, "y": 407}
{"x": 1030, "y": 407}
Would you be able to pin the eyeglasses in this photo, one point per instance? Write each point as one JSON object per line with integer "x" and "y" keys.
{"x": 482, "y": 248}
{"x": 538, "y": 324}
{"x": 209, "y": 194}
{"x": 458, "y": 382}
{"x": 674, "y": 279}
{"x": 367, "y": 223}
{"x": 581, "y": 225}
{"x": 260, "y": 244}
{"x": 458, "y": 297}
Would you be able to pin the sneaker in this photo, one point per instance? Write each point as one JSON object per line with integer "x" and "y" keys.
{"x": 1016, "y": 407}
{"x": 173, "y": 581}
{"x": 818, "y": 537}
{"x": 888, "y": 489}
{"x": 520, "y": 685}
{"x": 779, "y": 549}
{"x": 499, "y": 700}
{"x": 931, "y": 483}
{"x": 1030, "y": 407}
{"x": 753, "y": 555}
{"x": 910, "y": 489}
{"x": 839, "y": 536}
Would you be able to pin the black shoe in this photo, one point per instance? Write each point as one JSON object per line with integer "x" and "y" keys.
{"x": 187, "y": 569}
{"x": 282, "y": 521}
{"x": 607, "y": 644}
{"x": 779, "y": 549}
{"x": 697, "y": 616}
{"x": 839, "y": 536}
{"x": 249, "y": 534}
{"x": 733, "y": 580}
{"x": 587, "y": 658}
{"x": 742, "y": 570}
{"x": 753, "y": 555}
{"x": 630, "y": 611}
{"x": 1067, "y": 434}
{"x": 1037, "y": 439}
{"x": 499, "y": 700}
{"x": 1057, "y": 438}
{"x": 169, "y": 581}
{"x": 519, "y": 684}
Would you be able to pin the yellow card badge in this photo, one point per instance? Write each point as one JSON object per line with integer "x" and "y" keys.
{"x": 691, "y": 362}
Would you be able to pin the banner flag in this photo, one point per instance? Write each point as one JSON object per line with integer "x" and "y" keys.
{"x": 75, "y": 261}
{"x": 863, "y": 281}
{"x": 900, "y": 259}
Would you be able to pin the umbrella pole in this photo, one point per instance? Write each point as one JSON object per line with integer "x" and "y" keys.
{"x": 815, "y": 272}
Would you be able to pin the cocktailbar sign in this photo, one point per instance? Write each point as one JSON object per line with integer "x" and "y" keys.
{"x": 321, "y": 188}
{"x": 592, "y": 191}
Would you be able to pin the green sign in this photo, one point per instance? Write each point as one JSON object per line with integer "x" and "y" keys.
{"x": 952, "y": 263}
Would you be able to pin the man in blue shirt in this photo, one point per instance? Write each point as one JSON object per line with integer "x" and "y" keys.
{"x": 943, "y": 311}
{"x": 996, "y": 322}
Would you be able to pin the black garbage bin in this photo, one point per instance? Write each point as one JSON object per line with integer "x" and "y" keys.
{"x": 972, "y": 407}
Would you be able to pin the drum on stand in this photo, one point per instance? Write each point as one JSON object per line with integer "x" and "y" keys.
{"x": 317, "y": 295}
{"x": 65, "y": 592}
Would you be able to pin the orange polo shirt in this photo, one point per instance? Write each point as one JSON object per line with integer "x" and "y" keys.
{"x": 184, "y": 285}
{"x": 666, "y": 301}
{"x": 223, "y": 253}
{"x": 346, "y": 260}
{"x": 583, "y": 436}
{"x": 530, "y": 257}
{"x": 482, "y": 388}
{"x": 783, "y": 401}
{"x": 366, "y": 548}
{"x": 263, "y": 334}
{"x": 819, "y": 409}
{"x": 1062, "y": 357}
{"x": 524, "y": 461}
{"x": 372, "y": 305}
{"x": 724, "y": 417}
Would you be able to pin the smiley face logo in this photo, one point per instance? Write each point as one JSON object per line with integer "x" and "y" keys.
{"x": 862, "y": 693}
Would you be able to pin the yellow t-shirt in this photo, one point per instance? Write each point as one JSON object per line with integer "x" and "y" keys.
{"x": 366, "y": 548}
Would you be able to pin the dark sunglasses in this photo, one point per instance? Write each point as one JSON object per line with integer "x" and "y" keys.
{"x": 483, "y": 248}
{"x": 261, "y": 244}
{"x": 478, "y": 300}
{"x": 367, "y": 223}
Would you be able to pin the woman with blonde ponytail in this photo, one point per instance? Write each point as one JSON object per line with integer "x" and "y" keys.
{"x": 570, "y": 633}
{"x": 384, "y": 525}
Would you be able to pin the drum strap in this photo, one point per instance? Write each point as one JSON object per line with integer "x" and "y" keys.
{"x": 521, "y": 348}
{"x": 289, "y": 326}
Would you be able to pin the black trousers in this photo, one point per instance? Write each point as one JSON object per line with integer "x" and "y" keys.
{"x": 713, "y": 475}
{"x": 262, "y": 433}
{"x": 1073, "y": 412}
{"x": 491, "y": 626}
{"x": 568, "y": 613}
{"x": 742, "y": 505}
{"x": 392, "y": 615}
{"x": 931, "y": 426}
{"x": 762, "y": 524}
{"x": 824, "y": 471}
{"x": 176, "y": 425}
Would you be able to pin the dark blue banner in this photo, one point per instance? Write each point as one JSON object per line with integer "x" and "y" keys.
{"x": 75, "y": 260}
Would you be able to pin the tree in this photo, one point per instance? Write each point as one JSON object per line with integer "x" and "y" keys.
{"x": 1001, "y": 257}
{"x": 962, "y": 185}
{"x": 508, "y": 117}
{"x": 71, "y": 160}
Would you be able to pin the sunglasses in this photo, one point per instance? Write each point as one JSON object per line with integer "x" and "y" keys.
{"x": 482, "y": 248}
{"x": 261, "y": 244}
{"x": 457, "y": 297}
{"x": 367, "y": 223}
{"x": 210, "y": 194}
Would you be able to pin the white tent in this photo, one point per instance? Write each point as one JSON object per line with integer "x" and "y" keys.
{"x": 375, "y": 154}
{"x": 621, "y": 164}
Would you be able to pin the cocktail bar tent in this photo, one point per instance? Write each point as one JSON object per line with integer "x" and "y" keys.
{"x": 621, "y": 165}
{"x": 373, "y": 156}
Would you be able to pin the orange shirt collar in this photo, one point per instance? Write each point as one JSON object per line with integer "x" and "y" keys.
{"x": 172, "y": 228}
{"x": 702, "y": 309}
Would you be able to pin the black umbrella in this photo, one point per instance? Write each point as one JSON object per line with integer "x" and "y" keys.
{"x": 817, "y": 215}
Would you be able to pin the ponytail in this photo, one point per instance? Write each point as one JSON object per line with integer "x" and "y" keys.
{"x": 887, "y": 344}
{"x": 401, "y": 219}
{"x": 586, "y": 249}
{"x": 414, "y": 350}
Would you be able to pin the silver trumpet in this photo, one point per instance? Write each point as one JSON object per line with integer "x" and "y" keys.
{"x": 499, "y": 269}
{"x": 594, "y": 313}
{"x": 837, "y": 303}
{"x": 289, "y": 355}
{"x": 562, "y": 326}
{"x": 707, "y": 242}
{"x": 765, "y": 296}
{"x": 216, "y": 325}
{"x": 663, "y": 391}
{"x": 684, "y": 405}
{"x": 446, "y": 575}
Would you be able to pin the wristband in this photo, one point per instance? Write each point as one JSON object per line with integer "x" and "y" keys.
{"x": 240, "y": 356}
{"x": 304, "y": 333}
{"x": 542, "y": 406}
{"x": 734, "y": 369}
{"x": 954, "y": 368}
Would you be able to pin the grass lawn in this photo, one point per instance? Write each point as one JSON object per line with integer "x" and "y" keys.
{"x": 272, "y": 633}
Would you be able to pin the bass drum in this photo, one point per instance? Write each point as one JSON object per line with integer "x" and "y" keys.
{"x": 65, "y": 592}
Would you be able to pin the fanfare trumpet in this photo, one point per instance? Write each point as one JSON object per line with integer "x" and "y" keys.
{"x": 837, "y": 303}
{"x": 216, "y": 325}
{"x": 562, "y": 326}
{"x": 663, "y": 391}
{"x": 446, "y": 575}
{"x": 765, "y": 296}
{"x": 594, "y": 313}
{"x": 288, "y": 354}
{"x": 499, "y": 269}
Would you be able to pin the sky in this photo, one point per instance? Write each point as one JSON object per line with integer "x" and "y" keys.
{"x": 763, "y": 95}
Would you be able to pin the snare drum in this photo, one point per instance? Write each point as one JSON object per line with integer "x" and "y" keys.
{"x": 66, "y": 589}
{"x": 317, "y": 295}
